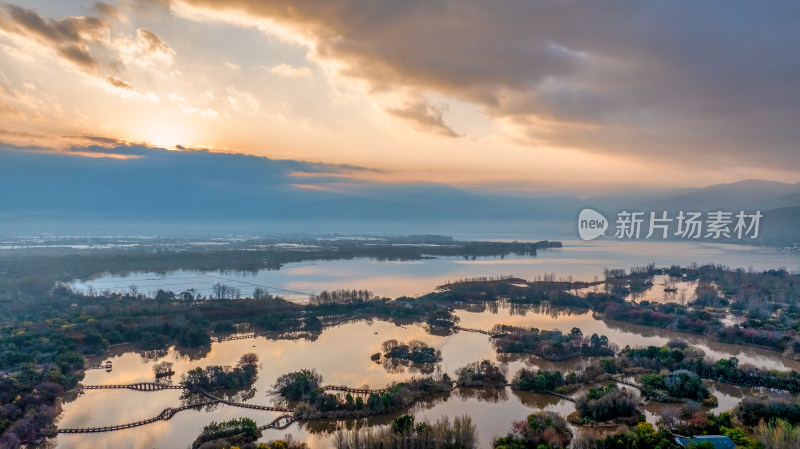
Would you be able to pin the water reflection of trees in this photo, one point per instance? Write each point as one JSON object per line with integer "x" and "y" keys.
{"x": 520, "y": 309}
{"x": 395, "y": 365}
{"x": 414, "y": 356}
{"x": 152, "y": 355}
{"x": 430, "y": 401}
{"x": 244, "y": 395}
{"x": 543, "y": 308}
{"x": 330, "y": 426}
{"x": 483, "y": 394}
{"x": 193, "y": 354}
{"x": 438, "y": 331}
{"x": 536, "y": 400}
{"x": 71, "y": 395}
{"x": 180, "y": 353}
{"x": 532, "y": 361}
{"x": 480, "y": 307}
{"x": 188, "y": 398}
{"x": 735, "y": 391}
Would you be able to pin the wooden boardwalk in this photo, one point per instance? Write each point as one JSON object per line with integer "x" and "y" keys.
{"x": 141, "y": 386}
{"x": 477, "y": 331}
{"x": 625, "y": 382}
{"x": 562, "y": 396}
{"x": 346, "y": 389}
{"x": 166, "y": 414}
{"x": 240, "y": 337}
{"x": 279, "y": 423}
{"x": 268, "y": 408}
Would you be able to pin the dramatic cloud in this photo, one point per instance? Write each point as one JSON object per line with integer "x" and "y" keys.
{"x": 424, "y": 116}
{"x": 116, "y": 82}
{"x": 152, "y": 43}
{"x": 92, "y": 44}
{"x": 73, "y": 30}
{"x": 106, "y": 10}
{"x": 78, "y": 55}
{"x": 516, "y": 95}
{"x": 70, "y": 36}
{"x": 664, "y": 79}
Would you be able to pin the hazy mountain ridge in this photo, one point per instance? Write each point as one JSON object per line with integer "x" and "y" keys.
{"x": 203, "y": 187}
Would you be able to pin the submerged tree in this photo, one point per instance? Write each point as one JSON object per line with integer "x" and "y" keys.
{"x": 404, "y": 433}
{"x": 300, "y": 385}
{"x": 546, "y": 429}
{"x": 163, "y": 369}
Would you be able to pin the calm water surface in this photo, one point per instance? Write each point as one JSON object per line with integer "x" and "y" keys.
{"x": 342, "y": 354}
{"x": 578, "y": 260}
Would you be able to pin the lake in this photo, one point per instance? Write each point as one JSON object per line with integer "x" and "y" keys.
{"x": 577, "y": 260}
{"x": 342, "y": 353}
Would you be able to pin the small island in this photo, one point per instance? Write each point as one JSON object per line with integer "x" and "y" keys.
{"x": 551, "y": 345}
{"x": 678, "y": 386}
{"x": 607, "y": 405}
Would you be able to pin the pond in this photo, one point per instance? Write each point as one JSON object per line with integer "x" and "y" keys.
{"x": 341, "y": 354}
{"x": 577, "y": 260}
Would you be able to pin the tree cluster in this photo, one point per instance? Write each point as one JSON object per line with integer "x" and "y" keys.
{"x": 606, "y": 403}
{"x": 404, "y": 433}
{"x": 681, "y": 384}
{"x": 223, "y": 378}
{"x": 481, "y": 374}
{"x": 244, "y": 428}
{"x": 542, "y": 429}
{"x": 414, "y": 351}
{"x": 551, "y": 345}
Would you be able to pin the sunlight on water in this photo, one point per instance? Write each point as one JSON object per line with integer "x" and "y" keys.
{"x": 583, "y": 261}
{"x": 342, "y": 353}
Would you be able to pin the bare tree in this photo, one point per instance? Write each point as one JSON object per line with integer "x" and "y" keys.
{"x": 222, "y": 291}
{"x": 260, "y": 293}
{"x": 163, "y": 369}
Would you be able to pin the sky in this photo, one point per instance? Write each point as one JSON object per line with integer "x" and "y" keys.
{"x": 501, "y": 96}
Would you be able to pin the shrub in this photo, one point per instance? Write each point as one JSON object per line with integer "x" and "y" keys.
{"x": 606, "y": 403}
{"x": 546, "y": 429}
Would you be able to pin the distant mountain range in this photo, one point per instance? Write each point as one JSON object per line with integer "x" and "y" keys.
{"x": 203, "y": 188}
{"x": 778, "y": 202}
{"x": 747, "y": 194}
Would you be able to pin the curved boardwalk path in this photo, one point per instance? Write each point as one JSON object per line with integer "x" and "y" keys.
{"x": 166, "y": 414}
{"x": 240, "y": 337}
{"x": 141, "y": 386}
{"x": 268, "y": 408}
{"x": 279, "y": 423}
{"x": 562, "y": 396}
{"x": 625, "y": 382}
{"x": 346, "y": 389}
{"x": 477, "y": 331}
